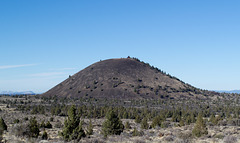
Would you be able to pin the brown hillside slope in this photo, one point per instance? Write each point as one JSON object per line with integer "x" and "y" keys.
{"x": 124, "y": 78}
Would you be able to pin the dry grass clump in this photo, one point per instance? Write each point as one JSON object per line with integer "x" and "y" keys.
{"x": 169, "y": 138}
{"x": 58, "y": 124}
{"x": 219, "y": 136}
{"x": 230, "y": 139}
{"x": 20, "y": 130}
{"x": 185, "y": 135}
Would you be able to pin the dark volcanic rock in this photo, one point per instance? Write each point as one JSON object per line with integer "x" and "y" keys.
{"x": 124, "y": 78}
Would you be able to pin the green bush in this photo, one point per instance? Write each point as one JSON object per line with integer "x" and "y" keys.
{"x": 181, "y": 123}
{"x": 137, "y": 119}
{"x": 48, "y": 125}
{"x": 127, "y": 125}
{"x": 112, "y": 125}
{"x": 157, "y": 121}
{"x": 42, "y": 125}
{"x": 72, "y": 129}
{"x": 33, "y": 127}
{"x": 137, "y": 133}
{"x": 3, "y": 125}
{"x": 44, "y": 135}
{"x": 78, "y": 133}
{"x": 200, "y": 127}
{"x": 219, "y": 136}
{"x": 90, "y": 128}
{"x": 1, "y": 132}
{"x": 16, "y": 121}
{"x": 144, "y": 124}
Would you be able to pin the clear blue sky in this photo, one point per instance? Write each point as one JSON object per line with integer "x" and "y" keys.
{"x": 44, "y": 41}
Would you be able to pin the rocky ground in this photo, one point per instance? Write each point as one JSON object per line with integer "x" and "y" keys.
{"x": 172, "y": 134}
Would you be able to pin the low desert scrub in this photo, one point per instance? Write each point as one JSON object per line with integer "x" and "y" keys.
{"x": 137, "y": 133}
{"x": 230, "y": 139}
{"x": 29, "y": 129}
{"x": 20, "y": 130}
{"x": 219, "y": 136}
{"x": 169, "y": 138}
{"x": 139, "y": 141}
{"x": 58, "y": 124}
{"x": 185, "y": 136}
{"x": 1, "y": 132}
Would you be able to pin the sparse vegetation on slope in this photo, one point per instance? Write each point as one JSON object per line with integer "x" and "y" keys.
{"x": 125, "y": 78}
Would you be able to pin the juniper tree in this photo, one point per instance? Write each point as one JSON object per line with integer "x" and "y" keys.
{"x": 136, "y": 132}
{"x": 200, "y": 127}
{"x": 78, "y": 133}
{"x": 44, "y": 135}
{"x": 137, "y": 119}
{"x": 3, "y": 125}
{"x": 71, "y": 123}
{"x": 1, "y": 132}
{"x": 33, "y": 127}
{"x": 127, "y": 125}
{"x": 192, "y": 117}
{"x": 42, "y": 125}
{"x": 112, "y": 125}
{"x": 90, "y": 128}
{"x": 48, "y": 125}
{"x": 144, "y": 124}
{"x": 72, "y": 126}
{"x": 157, "y": 121}
{"x": 212, "y": 118}
{"x": 181, "y": 123}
